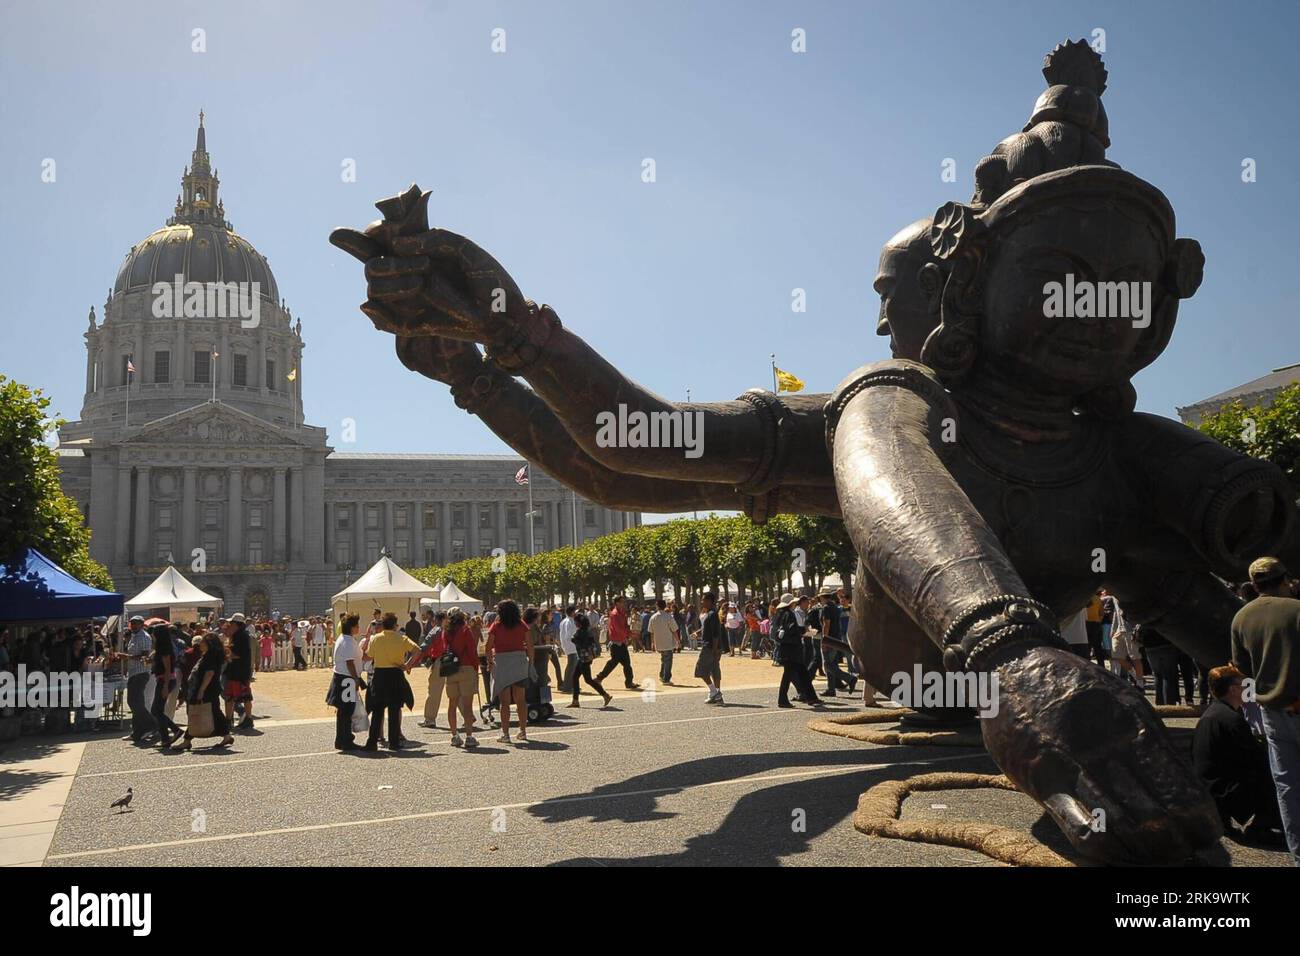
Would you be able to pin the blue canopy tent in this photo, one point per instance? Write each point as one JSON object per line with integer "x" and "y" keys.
{"x": 34, "y": 588}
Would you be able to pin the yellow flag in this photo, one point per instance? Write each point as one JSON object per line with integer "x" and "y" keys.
{"x": 785, "y": 382}
{"x": 293, "y": 374}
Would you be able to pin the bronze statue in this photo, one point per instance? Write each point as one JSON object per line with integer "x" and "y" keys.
{"x": 992, "y": 475}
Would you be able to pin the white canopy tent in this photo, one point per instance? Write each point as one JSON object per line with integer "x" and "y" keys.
{"x": 171, "y": 590}
{"x": 452, "y": 596}
{"x": 385, "y": 586}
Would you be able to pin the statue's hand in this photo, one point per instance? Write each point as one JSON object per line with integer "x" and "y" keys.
{"x": 436, "y": 282}
{"x": 1088, "y": 747}
{"x": 451, "y": 361}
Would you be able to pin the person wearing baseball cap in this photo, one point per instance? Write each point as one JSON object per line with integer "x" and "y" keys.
{"x": 1266, "y": 648}
{"x": 139, "y": 646}
{"x": 789, "y": 636}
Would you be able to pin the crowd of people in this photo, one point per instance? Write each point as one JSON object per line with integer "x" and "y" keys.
{"x": 1246, "y": 744}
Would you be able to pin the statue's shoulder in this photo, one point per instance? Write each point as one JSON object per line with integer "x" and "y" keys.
{"x": 891, "y": 373}
{"x": 898, "y": 373}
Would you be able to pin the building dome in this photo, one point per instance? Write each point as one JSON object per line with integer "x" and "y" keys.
{"x": 197, "y": 243}
{"x": 200, "y": 252}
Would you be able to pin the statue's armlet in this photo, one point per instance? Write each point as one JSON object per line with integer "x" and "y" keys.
{"x": 897, "y": 373}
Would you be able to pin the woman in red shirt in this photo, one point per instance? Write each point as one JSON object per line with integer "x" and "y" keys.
{"x": 509, "y": 658}
{"x": 461, "y": 685}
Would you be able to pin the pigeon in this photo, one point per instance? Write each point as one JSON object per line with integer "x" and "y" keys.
{"x": 122, "y": 802}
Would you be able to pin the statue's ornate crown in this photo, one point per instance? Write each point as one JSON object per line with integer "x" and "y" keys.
{"x": 1075, "y": 63}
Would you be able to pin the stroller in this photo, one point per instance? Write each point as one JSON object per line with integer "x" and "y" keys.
{"x": 537, "y": 693}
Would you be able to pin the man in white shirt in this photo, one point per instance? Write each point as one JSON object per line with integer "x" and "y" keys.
{"x": 345, "y": 690}
{"x": 318, "y": 633}
{"x": 667, "y": 639}
{"x": 299, "y": 643}
{"x": 568, "y": 627}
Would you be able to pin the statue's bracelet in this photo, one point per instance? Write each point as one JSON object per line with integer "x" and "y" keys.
{"x": 996, "y": 622}
{"x": 524, "y": 350}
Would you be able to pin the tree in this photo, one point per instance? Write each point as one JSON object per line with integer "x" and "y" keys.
{"x": 1271, "y": 431}
{"x": 34, "y": 511}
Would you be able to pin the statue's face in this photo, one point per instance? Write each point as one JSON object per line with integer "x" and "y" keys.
{"x": 1068, "y": 354}
{"x": 904, "y": 309}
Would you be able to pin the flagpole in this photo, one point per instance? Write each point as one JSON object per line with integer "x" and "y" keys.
{"x": 531, "y": 516}
{"x": 775, "y": 388}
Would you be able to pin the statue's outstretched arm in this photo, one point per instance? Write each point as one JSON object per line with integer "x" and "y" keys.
{"x": 432, "y": 282}
{"x": 522, "y": 420}
{"x": 760, "y": 439}
{"x": 913, "y": 526}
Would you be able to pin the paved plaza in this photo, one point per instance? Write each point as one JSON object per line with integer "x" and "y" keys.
{"x": 658, "y": 779}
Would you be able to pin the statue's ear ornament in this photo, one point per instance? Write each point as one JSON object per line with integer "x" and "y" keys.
{"x": 1185, "y": 268}
{"x": 954, "y": 229}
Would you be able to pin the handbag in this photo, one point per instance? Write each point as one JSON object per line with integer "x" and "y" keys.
{"x": 448, "y": 663}
{"x": 198, "y": 720}
{"x": 360, "y": 719}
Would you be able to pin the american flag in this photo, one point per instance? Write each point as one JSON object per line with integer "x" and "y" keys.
{"x": 521, "y": 476}
{"x": 130, "y": 366}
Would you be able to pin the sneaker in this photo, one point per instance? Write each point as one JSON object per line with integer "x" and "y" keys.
{"x": 430, "y": 724}
{"x": 719, "y": 700}
{"x": 574, "y": 704}
{"x": 456, "y": 741}
{"x": 504, "y": 739}
{"x": 471, "y": 741}
{"x": 245, "y": 724}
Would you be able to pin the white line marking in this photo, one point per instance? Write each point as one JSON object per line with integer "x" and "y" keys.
{"x": 551, "y": 801}
{"x": 444, "y": 743}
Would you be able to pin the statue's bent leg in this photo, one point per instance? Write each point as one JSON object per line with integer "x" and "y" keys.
{"x": 1192, "y": 609}
{"x": 889, "y": 643}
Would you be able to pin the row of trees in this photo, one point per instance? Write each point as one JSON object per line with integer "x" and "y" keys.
{"x": 681, "y": 558}
{"x": 34, "y": 511}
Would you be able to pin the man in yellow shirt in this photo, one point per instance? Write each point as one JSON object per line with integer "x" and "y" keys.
{"x": 389, "y": 689}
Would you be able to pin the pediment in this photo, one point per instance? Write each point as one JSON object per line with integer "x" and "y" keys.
{"x": 213, "y": 423}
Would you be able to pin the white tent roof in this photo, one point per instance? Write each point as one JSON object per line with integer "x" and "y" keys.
{"x": 454, "y": 595}
{"x": 171, "y": 589}
{"x": 385, "y": 580}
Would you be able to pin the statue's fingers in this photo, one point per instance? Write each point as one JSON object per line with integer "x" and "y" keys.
{"x": 384, "y": 319}
{"x": 396, "y": 266}
{"x": 356, "y": 244}
{"x": 438, "y": 243}
{"x": 390, "y": 288}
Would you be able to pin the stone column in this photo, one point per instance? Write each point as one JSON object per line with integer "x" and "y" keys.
{"x": 235, "y": 518}
{"x": 178, "y": 361}
{"x": 142, "y": 515}
{"x": 186, "y": 538}
{"x": 472, "y": 508}
{"x": 331, "y": 523}
{"x": 444, "y": 533}
{"x": 297, "y": 487}
{"x": 501, "y": 525}
{"x": 122, "y": 535}
{"x": 223, "y": 362}
{"x": 279, "y": 517}
{"x": 416, "y": 517}
{"x": 390, "y": 541}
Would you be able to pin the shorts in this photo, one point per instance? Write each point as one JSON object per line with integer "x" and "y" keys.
{"x": 237, "y": 690}
{"x": 463, "y": 683}
{"x": 708, "y": 668}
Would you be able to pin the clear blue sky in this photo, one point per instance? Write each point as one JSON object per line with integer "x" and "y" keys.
{"x": 775, "y": 170}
